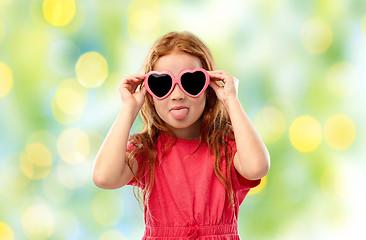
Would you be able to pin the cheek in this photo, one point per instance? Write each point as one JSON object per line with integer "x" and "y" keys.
{"x": 159, "y": 107}
{"x": 201, "y": 104}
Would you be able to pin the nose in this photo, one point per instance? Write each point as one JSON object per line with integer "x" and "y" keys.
{"x": 177, "y": 93}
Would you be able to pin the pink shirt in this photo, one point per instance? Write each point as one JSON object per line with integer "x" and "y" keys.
{"x": 188, "y": 201}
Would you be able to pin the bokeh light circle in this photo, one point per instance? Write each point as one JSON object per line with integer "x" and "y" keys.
{"x": 36, "y": 161}
{"x": 71, "y": 97}
{"x": 68, "y": 225}
{"x": 363, "y": 27}
{"x": 305, "y": 133}
{"x": 91, "y": 69}
{"x": 54, "y": 190}
{"x": 38, "y": 222}
{"x": 59, "y": 12}
{"x": 342, "y": 79}
{"x": 75, "y": 175}
{"x": 331, "y": 183}
{"x": 259, "y": 188}
{"x": 317, "y": 36}
{"x": 270, "y": 123}
{"x": 339, "y": 132}
{"x": 6, "y": 79}
{"x": 4, "y": 3}
{"x": 42, "y": 136}
{"x": 12, "y": 175}
{"x": 144, "y": 21}
{"x": 107, "y": 208}
{"x": 6, "y": 233}
{"x": 39, "y": 154}
{"x": 73, "y": 145}
{"x": 69, "y": 101}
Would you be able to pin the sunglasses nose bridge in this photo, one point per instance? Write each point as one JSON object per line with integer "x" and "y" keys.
{"x": 177, "y": 92}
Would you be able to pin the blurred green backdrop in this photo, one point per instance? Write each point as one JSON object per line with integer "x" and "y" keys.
{"x": 301, "y": 66}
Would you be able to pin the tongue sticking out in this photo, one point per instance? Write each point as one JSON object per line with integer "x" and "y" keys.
{"x": 179, "y": 114}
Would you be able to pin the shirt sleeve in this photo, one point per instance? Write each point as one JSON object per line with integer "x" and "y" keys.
{"x": 241, "y": 185}
{"x": 138, "y": 157}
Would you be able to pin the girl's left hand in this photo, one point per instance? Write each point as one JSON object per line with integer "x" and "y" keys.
{"x": 227, "y": 90}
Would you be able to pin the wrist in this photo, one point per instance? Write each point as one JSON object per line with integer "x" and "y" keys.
{"x": 230, "y": 101}
{"x": 233, "y": 107}
{"x": 130, "y": 110}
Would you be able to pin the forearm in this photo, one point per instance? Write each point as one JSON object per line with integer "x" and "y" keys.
{"x": 252, "y": 158}
{"x": 110, "y": 163}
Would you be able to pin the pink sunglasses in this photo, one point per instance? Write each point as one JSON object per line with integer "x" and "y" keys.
{"x": 192, "y": 82}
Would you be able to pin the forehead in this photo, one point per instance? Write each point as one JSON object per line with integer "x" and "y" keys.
{"x": 177, "y": 61}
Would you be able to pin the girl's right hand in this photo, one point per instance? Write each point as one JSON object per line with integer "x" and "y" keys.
{"x": 127, "y": 90}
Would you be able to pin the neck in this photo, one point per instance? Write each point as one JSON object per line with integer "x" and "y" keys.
{"x": 190, "y": 133}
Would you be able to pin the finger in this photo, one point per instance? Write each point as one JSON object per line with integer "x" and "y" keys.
{"x": 140, "y": 88}
{"x": 220, "y": 74}
{"x": 139, "y": 76}
{"x": 143, "y": 90}
{"x": 134, "y": 78}
{"x": 225, "y": 78}
{"x": 218, "y": 71}
{"x": 218, "y": 82}
{"x": 132, "y": 82}
{"x": 130, "y": 86}
{"x": 214, "y": 86}
{"x": 217, "y": 76}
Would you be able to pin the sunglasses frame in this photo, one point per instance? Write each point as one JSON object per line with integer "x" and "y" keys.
{"x": 177, "y": 81}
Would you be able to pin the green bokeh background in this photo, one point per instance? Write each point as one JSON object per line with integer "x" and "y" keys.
{"x": 317, "y": 194}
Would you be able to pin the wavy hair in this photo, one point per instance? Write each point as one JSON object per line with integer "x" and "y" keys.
{"x": 216, "y": 127}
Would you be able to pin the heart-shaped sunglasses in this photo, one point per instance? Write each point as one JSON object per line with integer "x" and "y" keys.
{"x": 192, "y": 82}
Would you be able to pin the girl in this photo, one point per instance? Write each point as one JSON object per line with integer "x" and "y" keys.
{"x": 198, "y": 154}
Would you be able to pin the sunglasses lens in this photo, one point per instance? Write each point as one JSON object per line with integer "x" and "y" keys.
{"x": 160, "y": 84}
{"x": 193, "y": 83}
